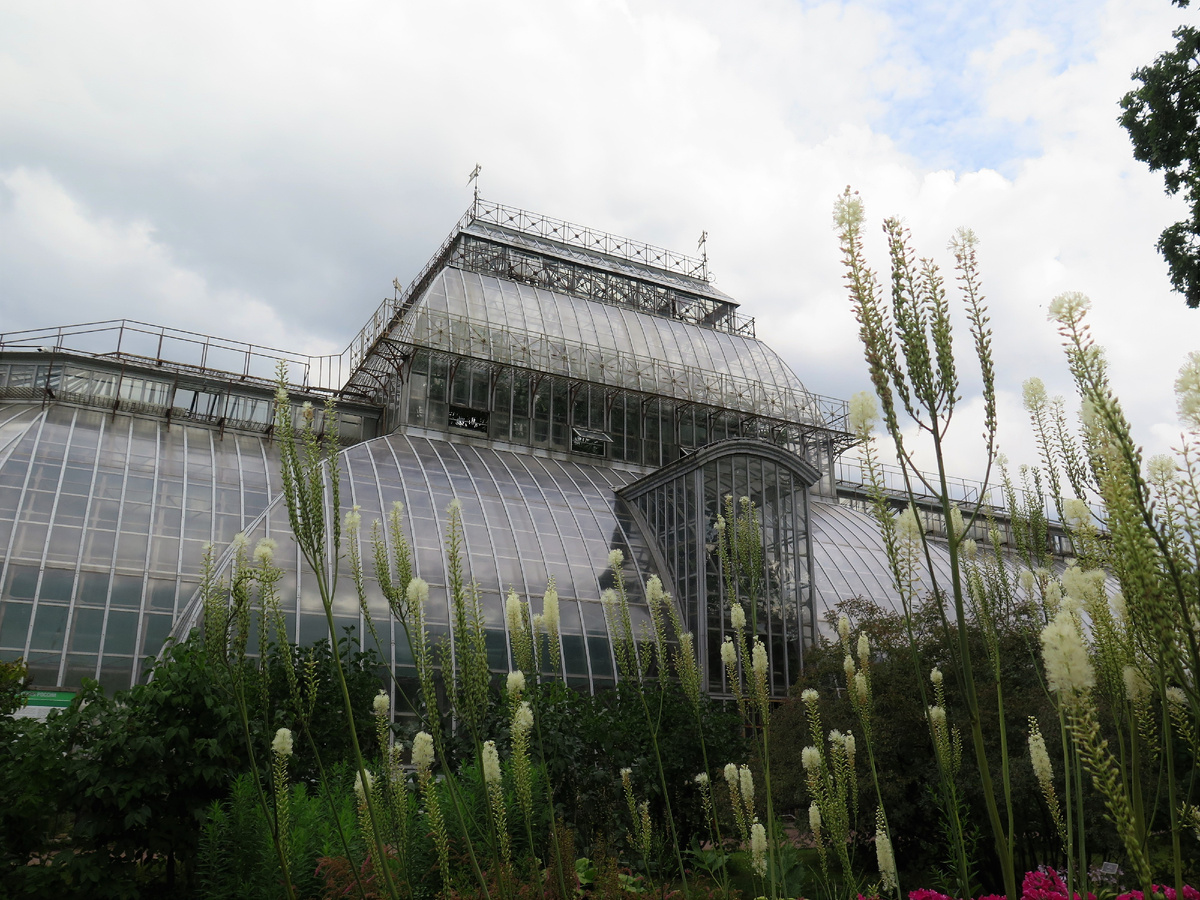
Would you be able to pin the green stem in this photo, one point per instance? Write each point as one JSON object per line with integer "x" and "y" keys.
{"x": 337, "y": 819}
{"x": 662, "y": 778}
{"x": 358, "y": 757}
{"x": 1001, "y": 839}
{"x": 1070, "y": 813}
{"x": 1083, "y": 855}
{"x": 557, "y": 849}
{"x": 262, "y": 797}
{"x": 1172, "y": 790}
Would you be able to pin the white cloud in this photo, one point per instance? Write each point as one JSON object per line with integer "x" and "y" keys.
{"x": 60, "y": 258}
{"x": 268, "y": 169}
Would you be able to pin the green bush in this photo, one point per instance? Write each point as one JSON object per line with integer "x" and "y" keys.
{"x": 903, "y": 746}
{"x": 585, "y": 740}
{"x": 110, "y": 794}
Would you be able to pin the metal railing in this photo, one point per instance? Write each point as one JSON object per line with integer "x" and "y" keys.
{"x": 390, "y": 310}
{"x": 590, "y": 239}
{"x": 850, "y": 473}
{"x": 177, "y": 349}
{"x": 190, "y": 351}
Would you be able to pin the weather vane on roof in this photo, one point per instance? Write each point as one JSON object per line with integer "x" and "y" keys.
{"x": 702, "y": 246}
{"x": 474, "y": 177}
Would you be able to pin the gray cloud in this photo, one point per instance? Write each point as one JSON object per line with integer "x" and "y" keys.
{"x": 264, "y": 172}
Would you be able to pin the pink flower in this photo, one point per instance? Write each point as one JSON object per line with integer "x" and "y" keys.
{"x": 1044, "y": 883}
{"x": 927, "y": 894}
{"x": 1189, "y": 893}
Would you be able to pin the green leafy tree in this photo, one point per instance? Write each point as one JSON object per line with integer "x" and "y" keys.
{"x": 14, "y": 682}
{"x": 110, "y": 792}
{"x": 1162, "y": 117}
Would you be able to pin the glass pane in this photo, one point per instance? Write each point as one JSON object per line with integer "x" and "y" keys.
{"x": 79, "y": 667}
{"x": 162, "y": 594}
{"x": 121, "y": 632}
{"x": 93, "y": 588}
{"x": 116, "y": 672}
{"x": 49, "y": 625}
{"x": 126, "y": 592}
{"x": 57, "y": 584}
{"x": 21, "y": 582}
{"x": 14, "y": 624}
{"x": 85, "y": 631}
{"x": 156, "y": 630}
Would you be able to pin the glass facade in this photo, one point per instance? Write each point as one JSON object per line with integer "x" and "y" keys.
{"x": 681, "y": 510}
{"x": 577, "y": 393}
{"x": 852, "y": 561}
{"x": 104, "y": 518}
{"x": 526, "y": 520}
{"x": 486, "y": 318}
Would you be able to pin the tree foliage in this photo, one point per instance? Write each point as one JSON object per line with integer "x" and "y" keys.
{"x": 108, "y": 796}
{"x": 1162, "y": 117}
{"x": 903, "y": 743}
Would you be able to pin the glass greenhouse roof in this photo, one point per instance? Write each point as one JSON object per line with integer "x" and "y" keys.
{"x": 850, "y": 560}
{"x": 104, "y": 518}
{"x": 526, "y": 519}
{"x": 481, "y": 316}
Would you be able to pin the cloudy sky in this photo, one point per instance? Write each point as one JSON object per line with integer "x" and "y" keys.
{"x": 263, "y": 171}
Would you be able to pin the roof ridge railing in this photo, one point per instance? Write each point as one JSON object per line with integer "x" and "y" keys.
{"x": 592, "y": 239}
{"x": 851, "y": 472}
{"x": 146, "y": 342}
{"x": 391, "y": 308}
{"x": 525, "y": 222}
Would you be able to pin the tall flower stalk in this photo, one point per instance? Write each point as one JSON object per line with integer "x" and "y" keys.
{"x": 635, "y": 663}
{"x": 311, "y": 479}
{"x": 908, "y": 345}
{"x": 740, "y": 555}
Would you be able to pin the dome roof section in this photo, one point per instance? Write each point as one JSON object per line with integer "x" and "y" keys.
{"x": 525, "y": 520}
{"x": 850, "y": 560}
{"x": 557, "y": 332}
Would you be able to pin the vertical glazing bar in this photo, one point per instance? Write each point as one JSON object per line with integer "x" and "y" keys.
{"x": 142, "y": 621}
{"x": 698, "y": 603}
{"x": 112, "y": 568}
{"x": 83, "y": 532}
{"x": 62, "y": 470}
{"x": 16, "y": 521}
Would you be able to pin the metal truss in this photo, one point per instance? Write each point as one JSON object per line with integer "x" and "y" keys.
{"x": 586, "y": 281}
{"x": 662, "y": 271}
{"x": 589, "y": 239}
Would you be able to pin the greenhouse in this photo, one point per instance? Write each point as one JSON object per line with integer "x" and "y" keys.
{"x": 577, "y": 392}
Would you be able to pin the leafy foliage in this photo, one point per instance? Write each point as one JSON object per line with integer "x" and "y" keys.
{"x": 14, "y": 682}
{"x": 585, "y": 740}
{"x": 133, "y": 773}
{"x": 1163, "y": 120}
{"x": 236, "y": 858}
{"x": 110, "y": 794}
{"x": 903, "y": 745}
{"x": 327, "y": 731}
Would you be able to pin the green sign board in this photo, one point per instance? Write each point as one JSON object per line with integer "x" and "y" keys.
{"x": 49, "y": 698}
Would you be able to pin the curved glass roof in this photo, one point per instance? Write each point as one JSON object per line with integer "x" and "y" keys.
{"x": 104, "y": 517}
{"x": 849, "y": 560}
{"x": 499, "y": 307}
{"x": 525, "y": 519}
